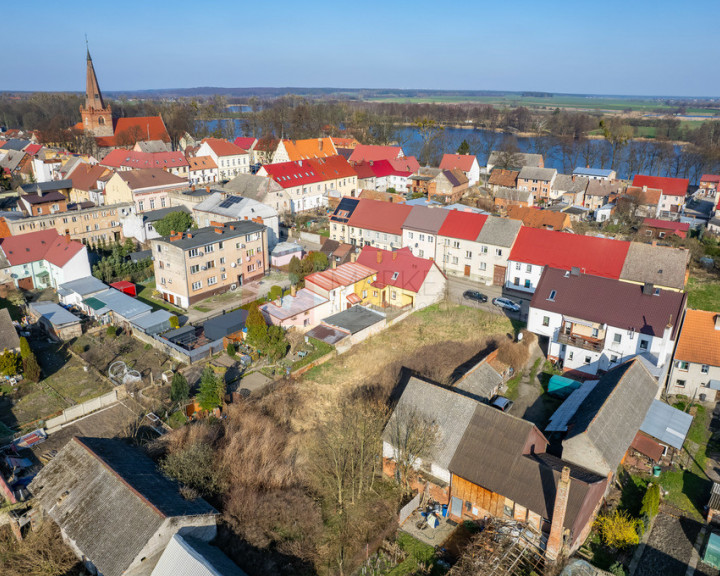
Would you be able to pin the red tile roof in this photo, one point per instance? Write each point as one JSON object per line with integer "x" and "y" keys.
{"x": 699, "y": 340}
{"x": 398, "y": 268}
{"x": 462, "y": 162}
{"x": 366, "y": 152}
{"x": 332, "y": 167}
{"x": 120, "y": 158}
{"x": 406, "y": 164}
{"x": 379, "y": 216}
{"x": 86, "y": 176}
{"x": 33, "y": 149}
{"x": 710, "y": 178}
{"x": 201, "y": 163}
{"x": 647, "y": 446}
{"x": 291, "y": 174}
{"x": 245, "y": 142}
{"x": 223, "y": 147}
{"x": 128, "y": 131}
{"x": 43, "y": 245}
{"x": 462, "y": 225}
{"x": 597, "y": 256}
{"x": 669, "y": 186}
{"x": 344, "y": 275}
{"x": 680, "y": 228}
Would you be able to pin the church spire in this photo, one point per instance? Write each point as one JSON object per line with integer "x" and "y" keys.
{"x": 96, "y": 117}
{"x": 93, "y": 96}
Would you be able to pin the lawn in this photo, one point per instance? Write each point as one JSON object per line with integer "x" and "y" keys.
{"x": 319, "y": 349}
{"x": 146, "y": 295}
{"x": 13, "y": 309}
{"x": 418, "y": 553}
{"x": 703, "y": 295}
{"x": 433, "y": 342}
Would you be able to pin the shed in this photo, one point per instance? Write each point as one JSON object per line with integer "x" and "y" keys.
{"x": 57, "y": 321}
{"x": 73, "y": 292}
{"x": 562, "y": 387}
{"x": 284, "y": 252}
{"x": 125, "y": 287}
{"x": 225, "y": 325}
{"x": 712, "y": 550}
{"x": 667, "y": 424}
{"x": 154, "y": 322}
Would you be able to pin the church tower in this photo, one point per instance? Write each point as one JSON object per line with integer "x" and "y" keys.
{"x": 96, "y": 117}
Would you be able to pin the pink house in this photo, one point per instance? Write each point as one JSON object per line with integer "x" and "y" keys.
{"x": 303, "y": 310}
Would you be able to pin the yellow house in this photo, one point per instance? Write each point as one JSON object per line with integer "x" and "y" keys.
{"x": 401, "y": 279}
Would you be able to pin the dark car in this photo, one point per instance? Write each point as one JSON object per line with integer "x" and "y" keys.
{"x": 501, "y": 403}
{"x": 474, "y": 295}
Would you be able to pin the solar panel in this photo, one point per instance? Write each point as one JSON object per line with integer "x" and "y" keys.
{"x": 229, "y": 201}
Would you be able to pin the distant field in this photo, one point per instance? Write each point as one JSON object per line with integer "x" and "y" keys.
{"x": 581, "y": 102}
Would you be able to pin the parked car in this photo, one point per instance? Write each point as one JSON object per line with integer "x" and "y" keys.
{"x": 501, "y": 403}
{"x": 474, "y": 295}
{"x": 507, "y": 304}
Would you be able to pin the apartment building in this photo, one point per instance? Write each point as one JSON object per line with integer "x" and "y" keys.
{"x": 539, "y": 181}
{"x": 200, "y": 263}
{"x": 148, "y": 189}
{"x": 230, "y": 159}
{"x": 420, "y": 230}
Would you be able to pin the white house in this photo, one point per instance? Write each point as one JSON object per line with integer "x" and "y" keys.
{"x": 593, "y": 324}
{"x": 468, "y": 164}
{"x": 420, "y": 230}
{"x": 202, "y": 170}
{"x": 230, "y": 159}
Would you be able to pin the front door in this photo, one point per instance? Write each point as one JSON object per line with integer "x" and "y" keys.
{"x": 467, "y": 270}
{"x": 456, "y": 506}
{"x": 499, "y": 275}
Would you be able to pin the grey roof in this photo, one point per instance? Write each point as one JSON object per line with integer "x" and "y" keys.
{"x": 284, "y": 248}
{"x": 660, "y": 265}
{"x": 566, "y": 183}
{"x": 499, "y": 231}
{"x": 576, "y": 210}
{"x": 234, "y": 207}
{"x": 186, "y": 555}
{"x": 153, "y": 322}
{"x": 84, "y": 286}
{"x": 354, "y": 319}
{"x": 524, "y": 159}
{"x": 448, "y": 409}
{"x": 153, "y": 146}
{"x": 561, "y": 417}
{"x": 425, "y": 219}
{"x": 55, "y": 314}
{"x": 481, "y": 382}
{"x": 506, "y": 455}
{"x": 328, "y": 334}
{"x": 140, "y": 255}
{"x": 109, "y": 499}
{"x": 16, "y": 144}
{"x": 9, "y": 339}
{"x": 531, "y": 173}
{"x": 207, "y": 235}
{"x": 291, "y": 305}
{"x": 11, "y": 159}
{"x": 667, "y": 424}
{"x": 513, "y": 194}
{"x": 224, "y": 325}
{"x": 606, "y": 173}
{"x": 52, "y": 186}
{"x": 714, "y": 503}
{"x": 253, "y": 187}
{"x": 120, "y": 304}
{"x": 603, "y": 187}
{"x": 157, "y": 215}
{"x": 605, "y": 424}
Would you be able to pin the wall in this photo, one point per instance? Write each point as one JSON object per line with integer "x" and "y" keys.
{"x": 421, "y": 244}
{"x": 695, "y": 381}
{"x": 56, "y": 424}
{"x": 527, "y": 275}
{"x": 310, "y": 237}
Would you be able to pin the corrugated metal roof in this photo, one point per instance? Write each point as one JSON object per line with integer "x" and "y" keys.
{"x": 55, "y": 313}
{"x": 667, "y": 424}
{"x": 84, "y": 286}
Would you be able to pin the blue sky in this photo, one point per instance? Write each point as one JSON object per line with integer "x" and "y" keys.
{"x": 610, "y": 47}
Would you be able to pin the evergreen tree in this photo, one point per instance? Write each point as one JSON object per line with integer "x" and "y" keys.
{"x": 212, "y": 390}
{"x": 179, "y": 388}
{"x": 25, "y": 350}
{"x": 257, "y": 328}
{"x": 464, "y": 148}
{"x": 31, "y": 368}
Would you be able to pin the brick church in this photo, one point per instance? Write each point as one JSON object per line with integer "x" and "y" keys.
{"x": 98, "y": 121}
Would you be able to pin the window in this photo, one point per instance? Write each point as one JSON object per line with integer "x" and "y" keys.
{"x": 192, "y": 253}
{"x": 410, "y": 235}
{"x": 421, "y": 237}
{"x": 588, "y": 359}
{"x": 595, "y": 332}
{"x": 516, "y": 281}
{"x": 613, "y": 359}
{"x": 210, "y": 248}
{"x": 468, "y": 254}
{"x": 617, "y": 338}
{"x": 212, "y": 280}
{"x": 194, "y": 269}
{"x": 223, "y": 276}
{"x": 546, "y": 320}
{"x": 395, "y": 275}
{"x": 483, "y": 249}
{"x": 527, "y": 284}
{"x": 222, "y": 260}
{"x": 364, "y": 293}
{"x": 680, "y": 383}
{"x": 455, "y": 260}
{"x": 210, "y": 264}
{"x": 528, "y": 268}
{"x": 421, "y": 253}
{"x": 483, "y": 266}
{"x": 498, "y": 251}
{"x": 507, "y": 510}
{"x": 705, "y": 369}
{"x": 683, "y": 366}
{"x": 551, "y": 298}
{"x": 431, "y": 239}
{"x": 152, "y": 203}
{"x": 393, "y": 295}
{"x": 159, "y": 248}
{"x": 517, "y": 266}
{"x": 643, "y": 344}
{"x": 197, "y": 285}
{"x": 570, "y": 355}
{"x": 375, "y": 293}
{"x": 456, "y": 244}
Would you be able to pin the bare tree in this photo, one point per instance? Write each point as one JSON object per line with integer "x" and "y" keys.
{"x": 413, "y": 436}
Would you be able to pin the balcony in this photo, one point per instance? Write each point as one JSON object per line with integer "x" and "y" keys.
{"x": 584, "y": 342}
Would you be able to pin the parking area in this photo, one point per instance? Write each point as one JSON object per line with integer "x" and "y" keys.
{"x": 458, "y": 286}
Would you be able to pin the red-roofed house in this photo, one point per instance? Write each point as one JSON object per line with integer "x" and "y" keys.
{"x": 310, "y": 148}
{"x": 674, "y": 191}
{"x": 231, "y": 160}
{"x": 465, "y": 162}
{"x": 337, "y": 284}
{"x": 401, "y": 279}
{"x": 120, "y": 159}
{"x": 406, "y": 164}
{"x": 202, "y": 170}
{"x": 381, "y": 175}
{"x": 457, "y": 249}
{"x": 377, "y": 223}
{"x": 129, "y": 131}
{"x": 535, "y": 248}
{"x": 245, "y": 142}
{"x": 369, "y": 153}
{"x": 147, "y": 189}
{"x": 710, "y": 183}
{"x": 43, "y": 259}
{"x": 88, "y": 183}
{"x": 653, "y": 228}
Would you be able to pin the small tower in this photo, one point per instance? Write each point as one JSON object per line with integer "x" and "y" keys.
{"x": 96, "y": 117}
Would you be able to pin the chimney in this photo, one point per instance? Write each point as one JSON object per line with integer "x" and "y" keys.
{"x": 653, "y": 243}
{"x": 193, "y": 188}
{"x": 644, "y": 188}
{"x": 218, "y": 230}
{"x": 320, "y": 144}
{"x": 207, "y": 188}
{"x": 334, "y": 263}
{"x": 717, "y": 321}
{"x": 555, "y": 540}
{"x": 394, "y": 255}
{"x": 353, "y": 258}
{"x": 293, "y": 290}
{"x": 378, "y": 256}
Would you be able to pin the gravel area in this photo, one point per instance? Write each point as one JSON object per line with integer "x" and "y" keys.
{"x": 669, "y": 547}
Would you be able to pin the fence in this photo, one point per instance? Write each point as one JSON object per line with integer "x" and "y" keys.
{"x": 409, "y": 508}
{"x": 310, "y": 237}
{"x": 78, "y": 411}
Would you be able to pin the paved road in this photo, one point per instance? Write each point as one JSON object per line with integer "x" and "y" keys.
{"x": 458, "y": 285}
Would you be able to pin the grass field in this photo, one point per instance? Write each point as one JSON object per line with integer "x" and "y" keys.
{"x": 703, "y": 295}
{"x": 433, "y": 342}
{"x": 146, "y": 295}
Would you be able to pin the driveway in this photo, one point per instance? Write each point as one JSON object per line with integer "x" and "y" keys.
{"x": 458, "y": 285}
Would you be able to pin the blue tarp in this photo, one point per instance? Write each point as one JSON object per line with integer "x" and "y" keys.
{"x": 562, "y": 387}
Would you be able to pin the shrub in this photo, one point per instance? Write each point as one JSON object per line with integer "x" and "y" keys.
{"x": 111, "y": 331}
{"x": 174, "y": 322}
{"x": 617, "y": 569}
{"x": 25, "y": 350}
{"x": 231, "y": 350}
{"x": 651, "y": 501}
{"x": 516, "y": 354}
{"x": 618, "y": 530}
{"x": 9, "y": 363}
{"x": 212, "y": 390}
{"x": 194, "y": 466}
{"x": 31, "y": 368}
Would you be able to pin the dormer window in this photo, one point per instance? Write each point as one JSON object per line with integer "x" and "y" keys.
{"x": 395, "y": 275}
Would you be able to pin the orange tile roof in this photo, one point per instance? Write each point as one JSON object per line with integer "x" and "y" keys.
{"x": 502, "y": 177}
{"x": 201, "y": 163}
{"x": 223, "y": 147}
{"x": 535, "y": 218}
{"x": 699, "y": 341}
{"x": 128, "y": 131}
{"x": 310, "y": 148}
{"x": 644, "y": 197}
{"x": 344, "y": 275}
